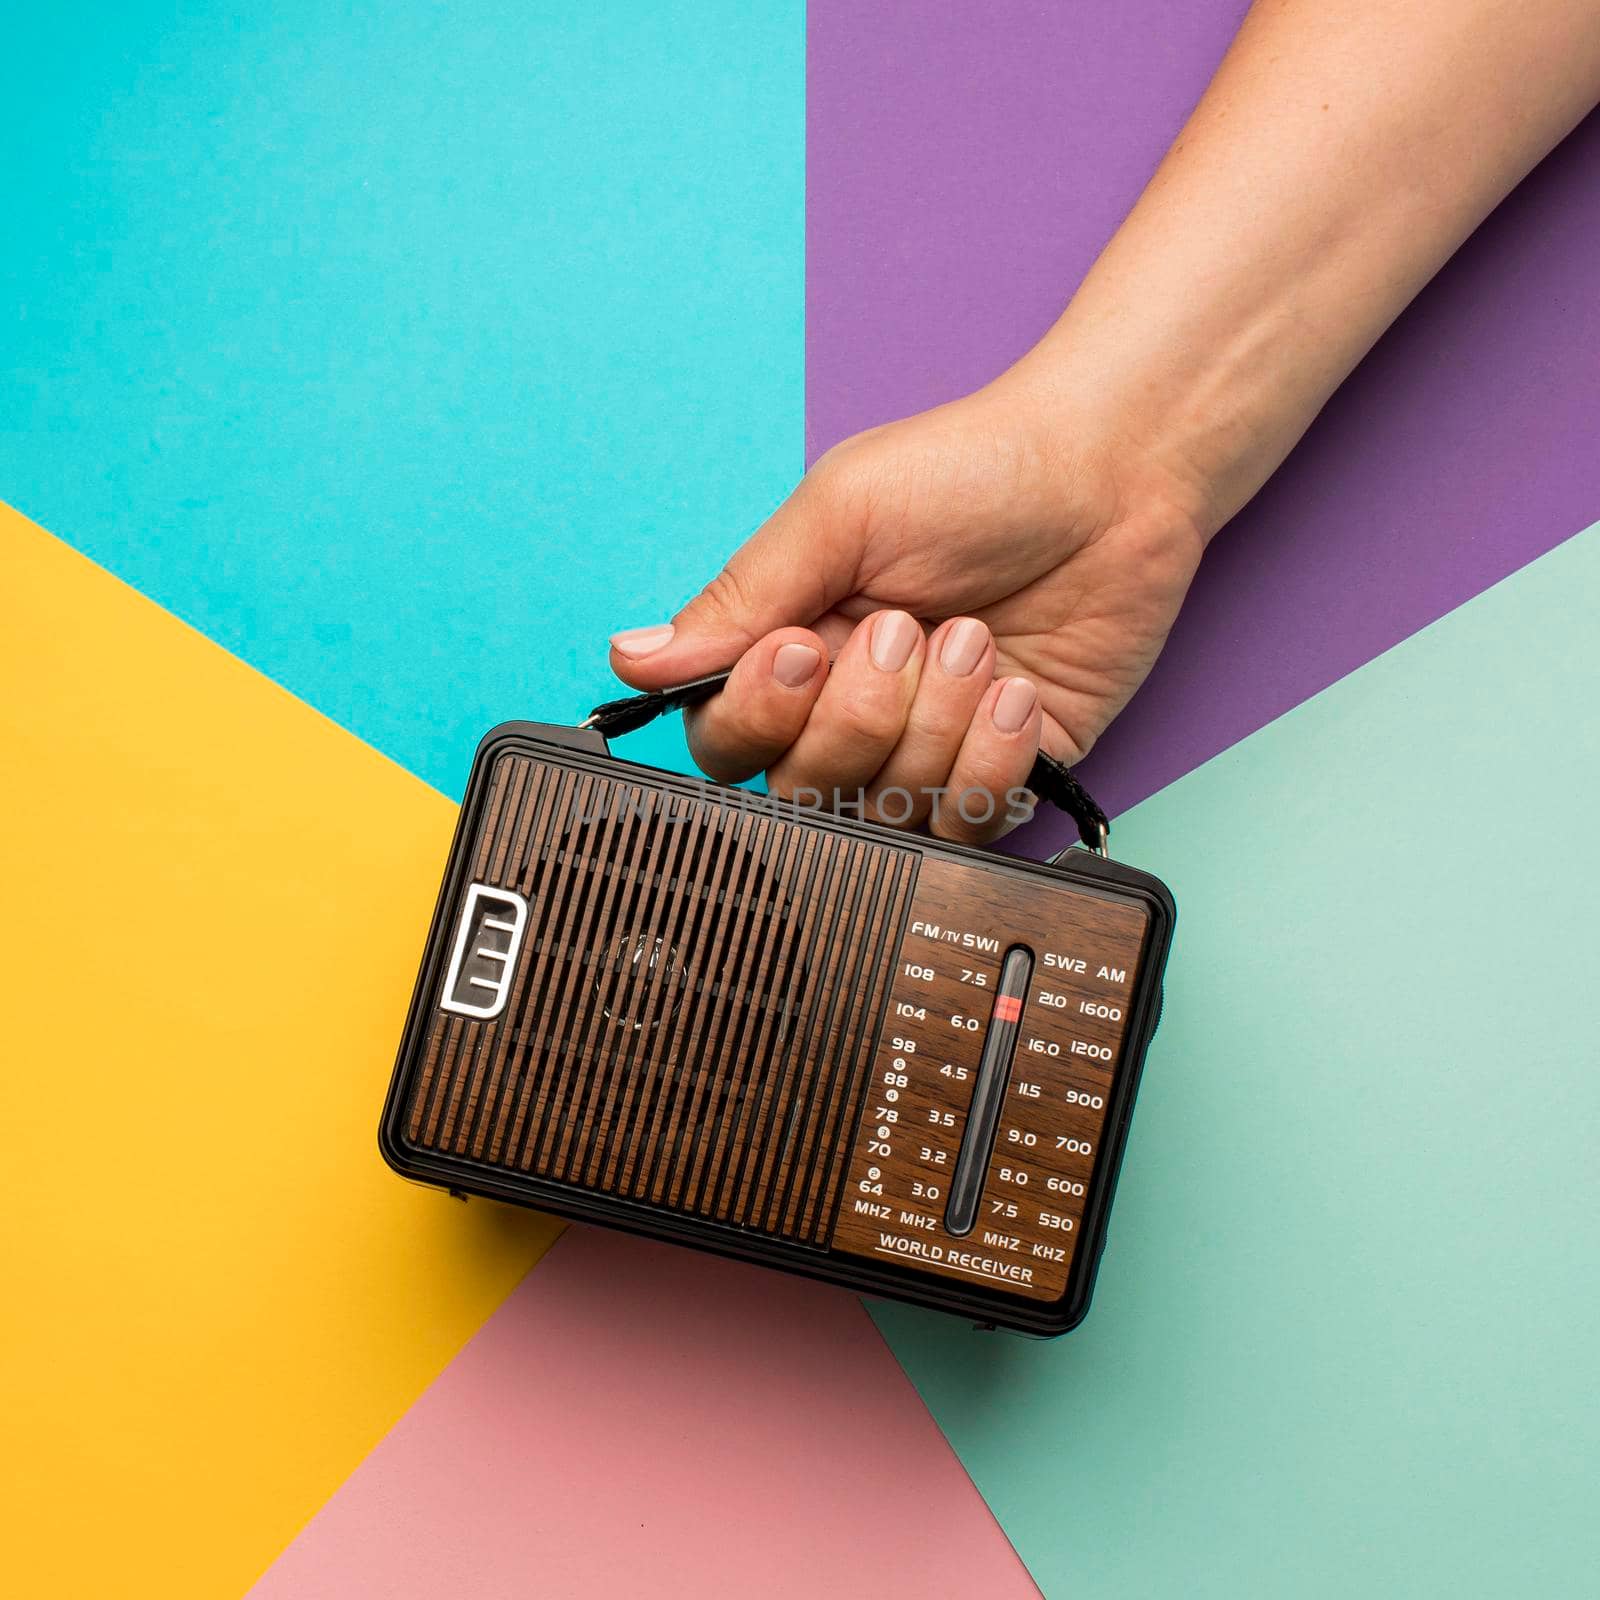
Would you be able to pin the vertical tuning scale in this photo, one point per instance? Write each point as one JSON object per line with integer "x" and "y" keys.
{"x": 996, "y": 1079}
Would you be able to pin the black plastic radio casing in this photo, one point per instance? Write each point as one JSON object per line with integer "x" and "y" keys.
{"x": 556, "y": 750}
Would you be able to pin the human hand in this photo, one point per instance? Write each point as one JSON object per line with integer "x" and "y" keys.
{"x": 1002, "y": 571}
{"x": 986, "y": 580}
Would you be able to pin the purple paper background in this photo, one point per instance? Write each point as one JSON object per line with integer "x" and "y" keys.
{"x": 965, "y": 164}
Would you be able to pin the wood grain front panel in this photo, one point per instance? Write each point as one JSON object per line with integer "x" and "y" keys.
{"x": 692, "y": 1009}
{"x": 1085, "y": 948}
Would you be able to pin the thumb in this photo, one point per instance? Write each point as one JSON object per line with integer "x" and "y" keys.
{"x": 788, "y": 573}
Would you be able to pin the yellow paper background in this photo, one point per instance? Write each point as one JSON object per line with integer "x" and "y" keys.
{"x": 217, "y": 1297}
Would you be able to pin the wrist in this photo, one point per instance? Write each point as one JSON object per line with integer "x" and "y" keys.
{"x": 1107, "y": 454}
{"x": 1187, "y": 418}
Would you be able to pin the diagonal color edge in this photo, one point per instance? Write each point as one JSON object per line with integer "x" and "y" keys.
{"x": 219, "y": 1298}
{"x": 229, "y": 1299}
{"x": 747, "y": 1434}
{"x": 1345, "y": 1321}
{"x": 966, "y": 162}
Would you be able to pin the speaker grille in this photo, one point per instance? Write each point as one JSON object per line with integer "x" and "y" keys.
{"x": 691, "y": 1017}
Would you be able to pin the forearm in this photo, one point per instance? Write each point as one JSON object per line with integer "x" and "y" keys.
{"x": 1341, "y": 154}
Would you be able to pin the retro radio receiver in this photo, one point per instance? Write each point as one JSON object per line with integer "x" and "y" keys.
{"x": 818, "y": 1044}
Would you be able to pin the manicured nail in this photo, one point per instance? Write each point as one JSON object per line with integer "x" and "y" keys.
{"x": 1014, "y": 704}
{"x": 962, "y": 646}
{"x": 636, "y": 642}
{"x": 894, "y": 637}
{"x": 794, "y": 664}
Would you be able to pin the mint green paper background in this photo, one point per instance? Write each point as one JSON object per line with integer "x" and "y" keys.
{"x": 406, "y": 349}
{"x": 1344, "y": 1337}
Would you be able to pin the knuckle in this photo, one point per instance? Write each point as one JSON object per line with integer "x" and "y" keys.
{"x": 822, "y": 479}
{"x": 727, "y": 599}
{"x": 831, "y": 470}
{"x": 988, "y": 774}
{"x": 864, "y": 721}
{"x": 834, "y": 483}
{"x": 937, "y": 727}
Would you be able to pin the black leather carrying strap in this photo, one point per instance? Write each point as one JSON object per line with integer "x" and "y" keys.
{"x": 1050, "y": 779}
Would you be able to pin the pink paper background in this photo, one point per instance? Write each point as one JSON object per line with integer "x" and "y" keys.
{"x": 643, "y": 1420}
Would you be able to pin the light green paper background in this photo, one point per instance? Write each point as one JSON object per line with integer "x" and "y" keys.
{"x": 1344, "y": 1337}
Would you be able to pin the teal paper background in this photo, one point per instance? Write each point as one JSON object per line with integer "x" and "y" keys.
{"x": 407, "y": 350}
{"x": 1343, "y": 1338}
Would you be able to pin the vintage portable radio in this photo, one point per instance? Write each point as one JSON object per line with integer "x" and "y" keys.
{"x": 818, "y": 1044}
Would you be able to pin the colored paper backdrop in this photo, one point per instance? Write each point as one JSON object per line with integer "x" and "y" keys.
{"x": 367, "y": 368}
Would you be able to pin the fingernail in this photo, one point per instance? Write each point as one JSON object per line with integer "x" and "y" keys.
{"x": 1014, "y": 704}
{"x": 962, "y": 646}
{"x": 793, "y": 665}
{"x": 894, "y": 636}
{"x": 636, "y": 642}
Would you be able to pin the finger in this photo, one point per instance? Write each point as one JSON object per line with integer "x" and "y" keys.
{"x": 745, "y": 728}
{"x": 958, "y": 668}
{"x": 788, "y": 573}
{"x": 860, "y": 714}
{"x": 994, "y": 761}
